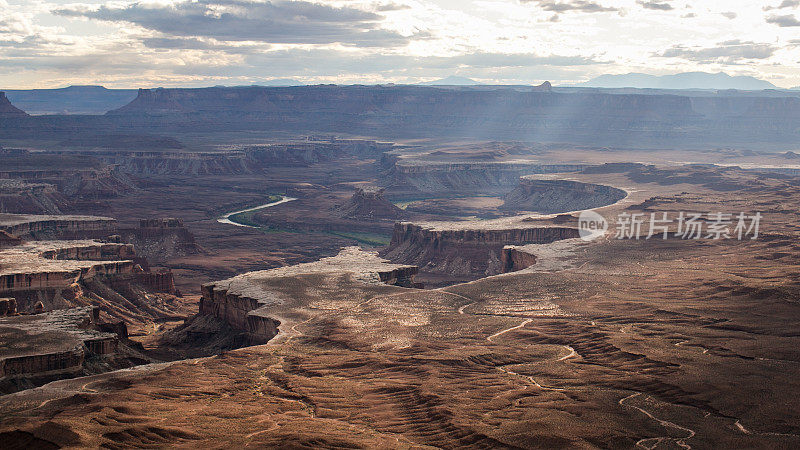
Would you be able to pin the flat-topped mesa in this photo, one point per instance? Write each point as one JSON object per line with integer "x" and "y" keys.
{"x": 57, "y": 226}
{"x": 64, "y": 274}
{"x": 558, "y": 196}
{"x": 467, "y": 249}
{"x": 8, "y": 110}
{"x": 59, "y": 344}
{"x": 31, "y": 269}
{"x": 161, "y": 238}
{"x": 251, "y": 302}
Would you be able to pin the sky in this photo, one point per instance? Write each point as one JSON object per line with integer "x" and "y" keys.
{"x": 152, "y": 43}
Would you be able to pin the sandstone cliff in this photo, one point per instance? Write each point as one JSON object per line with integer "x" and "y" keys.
{"x": 60, "y": 344}
{"x": 370, "y": 204}
{"x": 558, "y": 196}
{"x": 253, "y": 302}
{"x": 415, "y": 177}
{"x": 465, "y": 251}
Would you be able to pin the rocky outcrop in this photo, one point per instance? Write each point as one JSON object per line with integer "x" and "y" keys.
{"x": 11, "y": 283}
{"x": 370, "y": 204}
{"x": 559, "y": 196}
{"x": 55, "y": 345}
{"x": 21, "y": 197}
{"x": 57, "y": 226}
{"x": 514, "y": 260}
{"x": 240, "y": 313}
{"x": 464, "y": 251}
{"x": 63, "y": 274}
{"x": 250, "y": 302}
{"x": 161, "y": 239}
{"x": 93, "y": 252}
{"x": 8, "y": 110}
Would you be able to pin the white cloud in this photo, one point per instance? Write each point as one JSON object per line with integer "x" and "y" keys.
{"x": 175, "y": 42}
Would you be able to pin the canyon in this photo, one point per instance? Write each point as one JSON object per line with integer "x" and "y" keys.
{"x": 410, "y": 272}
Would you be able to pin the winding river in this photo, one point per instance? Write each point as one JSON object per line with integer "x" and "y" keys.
{"x": 226, "y": 219}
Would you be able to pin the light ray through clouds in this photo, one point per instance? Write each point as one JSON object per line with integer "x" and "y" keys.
{"x": 127, "y": 43}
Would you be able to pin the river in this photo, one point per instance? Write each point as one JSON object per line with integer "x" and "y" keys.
{"x": 226, "y": 219}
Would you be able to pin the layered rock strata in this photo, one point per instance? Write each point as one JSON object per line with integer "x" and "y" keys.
{"x": 150, "y": 163}
{"x": 252, "y": 302}
{"x": 47, "y": 265}
{"x": 54, "y": 345}
{"x": 514, "y": 259}
{"x": 57, "y": 226}
{"x": 410, "y": 177}
{"x": 370, "y": 204}
{"x": 160, "y": 239}
{"x": 466, "y": 248}
{"x": 559, "y": 196}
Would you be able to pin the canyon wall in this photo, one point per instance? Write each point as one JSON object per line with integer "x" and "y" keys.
{"x": 414, "y": 178}
{"x": 12, "y": 283}
{"x": 65, "y": 227}
{"x": 245, "y": 305}
{"x": 56, "y": 345}
{"x": 301, "y": 154}
{"x": 558, "y": 196}
{"x": 149, "y": 163}
{"x": 160, "y": 239}
{"x": 239, "y": 312}
{"x": 514, "y": 259}
{"x": 21, "y": 197}
{"x": 464, "y": 252}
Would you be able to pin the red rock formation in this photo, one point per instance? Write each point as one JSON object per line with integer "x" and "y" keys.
{"x": 558, "y": 196}
{"x": 67, "y": 227}
{"x": 243, "y": 304}
{"x": 237, "y": 311}
{"x": 55, "y": 345}
{"x": 370, "y": 205}
{"x": 514, "y": 260}
{"x": 464, "y": 252}
{"x": 159, "y": 239}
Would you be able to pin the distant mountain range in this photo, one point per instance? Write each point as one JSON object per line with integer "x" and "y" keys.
{"x": 687, "y": 80}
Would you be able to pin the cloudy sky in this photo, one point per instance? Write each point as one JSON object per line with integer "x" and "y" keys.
{"x": 208, "y": 42}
